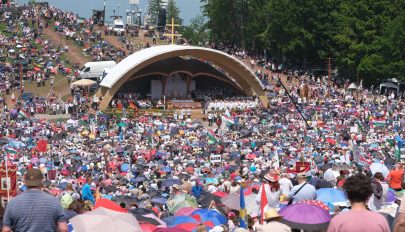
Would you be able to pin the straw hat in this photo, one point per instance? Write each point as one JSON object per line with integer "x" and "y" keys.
{"x": 270, "y": 214}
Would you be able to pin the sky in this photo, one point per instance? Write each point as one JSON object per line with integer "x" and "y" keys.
{"x": 188, "y": 8}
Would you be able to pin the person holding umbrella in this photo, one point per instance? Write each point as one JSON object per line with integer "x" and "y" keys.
{"x": 358, "y": 189}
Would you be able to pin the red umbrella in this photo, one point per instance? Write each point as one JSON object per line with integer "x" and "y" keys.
{"x": 148, "y": 227}
{"x": 65, "y": 172}
{"x": 251, "y": 156}
{"x": 189, "y": 170}
{"x": 81, "y": 180}
{"x": 108, "y": 204}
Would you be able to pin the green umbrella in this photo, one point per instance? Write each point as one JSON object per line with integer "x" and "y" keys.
{"x": 180, "y": 201}
{"x": 122, "y": 124}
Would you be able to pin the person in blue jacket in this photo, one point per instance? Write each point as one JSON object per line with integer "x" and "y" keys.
{"x": 87, "y": 195}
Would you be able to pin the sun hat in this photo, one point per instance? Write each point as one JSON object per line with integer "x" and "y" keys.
{"x": 272, "y": 176}
{"x": 270, "y": 214}
{"x": 302, "y": 175}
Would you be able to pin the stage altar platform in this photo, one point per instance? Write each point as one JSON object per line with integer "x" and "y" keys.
{"x": 184, "y": 104}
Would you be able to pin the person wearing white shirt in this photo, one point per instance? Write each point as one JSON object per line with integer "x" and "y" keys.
{"x": 285, "y": 184}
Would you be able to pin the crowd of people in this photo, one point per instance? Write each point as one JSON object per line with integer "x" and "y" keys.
{"x": 318, "y": 158}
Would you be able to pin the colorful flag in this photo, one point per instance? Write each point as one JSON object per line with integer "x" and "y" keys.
{"x": 23, "y": 114}
{"x": 228, "y": 120}
{"x": 212, "y": 136}
{"x": 378, "y": 121}
{"x": 10, "y": 150}
{"x": 42, "y": 145}
{"x": 263, "y": 204}
{"x": 243, "y": 211}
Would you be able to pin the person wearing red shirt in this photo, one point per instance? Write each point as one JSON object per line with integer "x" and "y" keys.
{"x": 395, "y": 178}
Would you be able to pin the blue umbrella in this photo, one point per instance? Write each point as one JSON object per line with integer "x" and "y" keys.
{"x": 159, "y": 200}
{"x": 331, "y": 195}
{"x": 211, "y": 180}
{"x": 138, "y": 179}
{"x": 170, "y": 182}
{"x": 167, "y": 169}
{"x": 211, "y": 215}
{"x": 124, "y": 167}
{"x": 175, "y": 220}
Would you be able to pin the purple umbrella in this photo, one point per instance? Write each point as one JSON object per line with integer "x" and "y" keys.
{"x": 35, "y": 160}
{"x": 391, "y": 197}
{"x": 305, "y": 217}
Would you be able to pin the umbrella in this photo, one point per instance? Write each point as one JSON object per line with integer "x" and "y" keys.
{"x": 122, "y": 124}
{"x": 176, "y": 220}
{"x": 314, "y": 202}
{"x": 102, "y": 219}
{"x": 211, "y": 180}
{"x": 138, "y": 179}
{"x": 172, "y": 229}
{"x": 180, "y": 201}
{"x": 159, "y": 200}
{"x": 144, "y": 219}
{"x": 232, "y": 201}
{"x": 379, "y": 167}
{"x": 185, "y": 211}
{"x": 170, "y": 182}
{"x": 146, "y": 227}
{"x": 331, "y": 195}
{"x": 141, "y": 211}
{"x": 108, "y": 204}
{"x": 305, "y": 217}
{"x": 84, "y": 83}
{"x": 210, "y": 215}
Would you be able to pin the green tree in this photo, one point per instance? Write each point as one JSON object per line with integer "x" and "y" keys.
{"x": 154, "y": 7}
{"x": 172, "y": 11}
{"x": 196, "y": 33}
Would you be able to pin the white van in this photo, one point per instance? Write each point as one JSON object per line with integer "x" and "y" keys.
{"x": 118, "y": 27}
{"x": 93, "y": 70}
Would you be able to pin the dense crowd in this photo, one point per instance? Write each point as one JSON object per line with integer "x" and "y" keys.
{"x": 320, "y": 157}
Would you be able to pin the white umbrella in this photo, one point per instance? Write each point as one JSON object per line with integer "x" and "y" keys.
{"x": 103, "y": 220}
{"x": 379, "y": 167}
{"x": 19, "y": 46}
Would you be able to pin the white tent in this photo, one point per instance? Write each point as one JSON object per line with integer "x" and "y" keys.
{"x": 352, "y": 86}
{"x": 84, "y": 83}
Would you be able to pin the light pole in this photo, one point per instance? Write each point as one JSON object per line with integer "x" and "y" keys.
{"x": 104, "y": 13}
{"x": 129, "y": 22}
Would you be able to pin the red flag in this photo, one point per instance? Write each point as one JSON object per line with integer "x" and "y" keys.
{"x": 42, "y": 145}
{"x": 263, "y": 203}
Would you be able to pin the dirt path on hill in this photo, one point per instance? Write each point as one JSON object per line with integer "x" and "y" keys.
{"x": 75, "y": 54}
{"x": 113, "y": 40}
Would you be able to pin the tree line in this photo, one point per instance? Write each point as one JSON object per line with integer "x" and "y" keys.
{"x": 365, "y": 38}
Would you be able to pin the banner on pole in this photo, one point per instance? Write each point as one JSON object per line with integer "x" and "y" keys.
{"x": 8, "y": 181}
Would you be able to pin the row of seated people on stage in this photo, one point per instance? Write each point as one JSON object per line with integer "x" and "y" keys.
{"x": 234, "y": 103}
{"x": 211, "y": 94}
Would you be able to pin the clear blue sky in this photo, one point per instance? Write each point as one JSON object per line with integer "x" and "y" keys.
{"x": 189, "y": 8}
